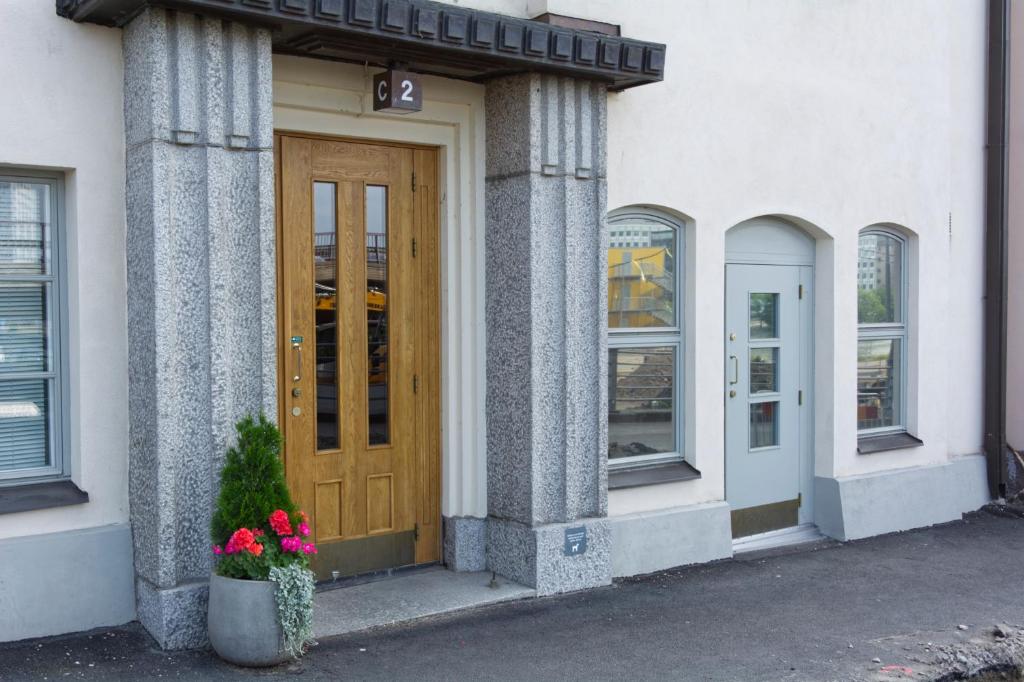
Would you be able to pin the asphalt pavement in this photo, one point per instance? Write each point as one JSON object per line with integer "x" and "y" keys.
{"x": 901, "y": 606}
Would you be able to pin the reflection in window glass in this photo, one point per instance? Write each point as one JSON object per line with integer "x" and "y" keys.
{"x": 28, "y": 332}
{"x": 764, "y": 425}
{"x": 764, "y": 370}
{"x": 641, "y": 274}
{"x": 377, "y": 311}
{"x": 878, "y": 383}
{"x": 764, "y": 316}
{"x": 879, "y": 279}
{"x": 641, "y": 397}
{"x": 325, "y": 263}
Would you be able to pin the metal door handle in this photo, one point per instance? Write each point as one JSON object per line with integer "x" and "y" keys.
{"x": 735, "y": 370}
{"x": 297, "y": 347}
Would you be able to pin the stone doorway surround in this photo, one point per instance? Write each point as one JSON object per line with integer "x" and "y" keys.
{"x": 202, "y": 265}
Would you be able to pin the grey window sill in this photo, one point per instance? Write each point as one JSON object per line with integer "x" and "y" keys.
{"x": 651, "y": 475}
{"x": 867, "y": 445}
{"x": 29, "y": 496}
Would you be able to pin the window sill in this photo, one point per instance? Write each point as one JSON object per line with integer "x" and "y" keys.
{"x": 651, "y": 475}
{"x": 867, "y": 445}
{"x": 30, "y": 496}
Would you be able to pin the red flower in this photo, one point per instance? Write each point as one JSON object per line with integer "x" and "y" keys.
{"x": 280, "y": 522}
{"x": 258, "y": 532}
{"x": 256, "y": 549}
{"x": 241, "y": 540}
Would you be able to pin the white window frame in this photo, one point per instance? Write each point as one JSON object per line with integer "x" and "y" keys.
{"x": 898, "y": 331}
{"x": 59, "y": 427}
{"x": 648, "y": 337}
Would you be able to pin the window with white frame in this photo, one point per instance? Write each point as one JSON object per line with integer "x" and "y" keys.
{"x": 645, "y": 338}
{"x": 881, "y": 332}
{"x": 32, "y": 363}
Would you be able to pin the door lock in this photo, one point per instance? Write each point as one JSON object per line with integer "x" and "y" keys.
{"x": 732, "y": 394}
{"x": 296, "y": 392}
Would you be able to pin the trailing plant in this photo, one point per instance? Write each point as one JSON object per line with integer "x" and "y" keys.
{"x": 293, "y": 591}
{"x": 258, "y": 533}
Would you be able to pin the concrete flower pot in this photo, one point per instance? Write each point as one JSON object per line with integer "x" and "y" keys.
{"x": 243, "y": 624}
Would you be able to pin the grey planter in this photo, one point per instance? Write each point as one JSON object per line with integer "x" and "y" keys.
{"x": 243, "y": 624}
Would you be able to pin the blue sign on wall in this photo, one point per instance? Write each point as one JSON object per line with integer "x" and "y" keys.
{"x": 575, "y": 541}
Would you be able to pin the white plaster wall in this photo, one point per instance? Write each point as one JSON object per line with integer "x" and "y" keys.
{"x": 61, "y": 108}
{"x": 317, "y": 96}
{"x": 841, "y": 115}
{"x": 1015, "y": 286}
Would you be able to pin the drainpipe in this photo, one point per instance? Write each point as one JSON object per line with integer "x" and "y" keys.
{"x": 996, "y": 246}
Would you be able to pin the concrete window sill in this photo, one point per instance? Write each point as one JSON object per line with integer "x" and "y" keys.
{"x": 30, "y": 496}
{"x": 651, "y": 475}
{"x": 867, "y": 445}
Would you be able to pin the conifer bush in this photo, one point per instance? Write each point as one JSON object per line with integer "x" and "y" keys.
{"x": 252, "y": 484}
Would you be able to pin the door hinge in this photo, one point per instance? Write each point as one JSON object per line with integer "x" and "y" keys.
{"x": 416, "y": 531}
{"x": 799, "y": 499}
{"x": 801, "y": 292}
{"x": 414, "y": 181}
{"x": 800, "y": 397}
{"x": 415, "y": 383}
{"x": 413, "y": 247}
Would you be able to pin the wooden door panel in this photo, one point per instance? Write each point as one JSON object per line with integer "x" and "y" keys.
{"x": 358, "y": 331}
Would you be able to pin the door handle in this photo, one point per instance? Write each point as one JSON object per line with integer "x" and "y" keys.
{"x": 297, "y": 347}
{"x": 735, "y": 370}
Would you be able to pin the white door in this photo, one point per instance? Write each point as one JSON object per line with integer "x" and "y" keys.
{"x": 768, "y": 468}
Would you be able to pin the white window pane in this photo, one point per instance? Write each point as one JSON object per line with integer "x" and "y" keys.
{"x": 24, "y": 228}
{"x": 880, "y": 289}
{"x": 641, "y": 401}
{"x": 879, "y": 372}
{"x": 24, "y": 424}
{"x": 23, "y": 327}
{"x": 644, "y": 266}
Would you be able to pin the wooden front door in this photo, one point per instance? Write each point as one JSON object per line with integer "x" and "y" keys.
{"x": 359, "y": 366}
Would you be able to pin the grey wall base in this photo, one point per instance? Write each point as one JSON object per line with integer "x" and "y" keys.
{"x": 465, "y": 543}
{"x": 653, "y": 541}
{"x": 175, "y": 616}
{"x": 88, "y": 573}
{"x": 853, "y": 507}
{"x": 535, "y": 555}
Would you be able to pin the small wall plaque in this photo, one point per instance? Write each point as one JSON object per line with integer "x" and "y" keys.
{"x": 397, "y": 92}
{"x": 575, "y": 541}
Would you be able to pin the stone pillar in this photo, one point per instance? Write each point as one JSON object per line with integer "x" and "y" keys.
{"x": 201, "y": 289}
{"x": 547, "y": 428}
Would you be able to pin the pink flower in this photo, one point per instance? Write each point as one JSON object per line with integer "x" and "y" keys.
{"x": 280, "y": 522}
{"x": 309, "y": 548}
{"x": 304, "y": 529}
{"x": 292, "y": 543}
{"x": 217, "y": 549}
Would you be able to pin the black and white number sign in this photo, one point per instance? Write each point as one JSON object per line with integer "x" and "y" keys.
{"x": 397, "y": 92}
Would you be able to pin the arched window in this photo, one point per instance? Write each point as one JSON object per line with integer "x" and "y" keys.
{"x": 881, "y": 332}
{"x": 645, "y": 337}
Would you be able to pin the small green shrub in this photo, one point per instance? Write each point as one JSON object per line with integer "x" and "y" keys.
{"x": 252, "y": 483}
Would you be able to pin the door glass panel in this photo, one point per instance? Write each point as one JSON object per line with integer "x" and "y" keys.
{"x": 641, "y": 274}
{"x": 24, "y": 228}
{"x": 879, "y": 279}
{"x": 764, "y": 425}
{"x": 764, "y": 316}
{"x": 377, "y": 311}
{"x": 878, "y": 380}
{"x": 641, "y": 397}
{"x": 325, "y": 264}
{"x": 764, "y": 370}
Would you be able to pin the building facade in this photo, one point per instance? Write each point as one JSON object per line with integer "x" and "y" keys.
{"x": 642, "y": 284}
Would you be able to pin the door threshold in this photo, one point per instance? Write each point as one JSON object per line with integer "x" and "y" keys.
{"x": 407, "y": 596}
{"x": 373, "y": 576}
{"x": 794, "y": 535}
